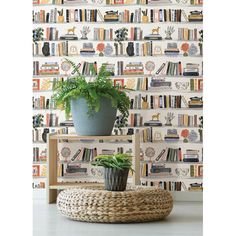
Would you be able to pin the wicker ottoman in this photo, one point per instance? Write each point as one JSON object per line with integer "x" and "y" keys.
{"x": 94, "y": 204}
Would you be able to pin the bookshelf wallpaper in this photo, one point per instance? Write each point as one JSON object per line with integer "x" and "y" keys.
{"x": 151, "y": 46}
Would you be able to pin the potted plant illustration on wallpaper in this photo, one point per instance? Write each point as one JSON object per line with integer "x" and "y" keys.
{"x": 93, "y": 104}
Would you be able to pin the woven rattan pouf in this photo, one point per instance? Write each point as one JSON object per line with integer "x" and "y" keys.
{"x": 94, "y": 204}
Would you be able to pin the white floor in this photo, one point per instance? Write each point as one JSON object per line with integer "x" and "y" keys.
{"x": 185, "y": 220}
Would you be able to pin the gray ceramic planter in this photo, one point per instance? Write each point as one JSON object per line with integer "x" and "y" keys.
{"x": 99, "y": 124}
{"x": 115, "y": 179}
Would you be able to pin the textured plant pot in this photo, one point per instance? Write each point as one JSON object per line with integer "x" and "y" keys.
{"x": 115, "y": 179}
{"x": 99, "y": 124}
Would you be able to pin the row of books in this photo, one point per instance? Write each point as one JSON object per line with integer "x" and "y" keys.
{"x": 136, "y": 33}
{"x": 43, "y": 103}
{"x": 196, "y": 84}
{"x": 166, "y": 101}
{"x": 170, "y": 154}
{"x": 196, "y": 170}
{"x": 70, "y": 15}
{"x": 47, "y": 68}
{"x": 39, "y": 170}
{"x": 55, "y": 49}
{"x": 37, "y": 135}
{"x": 167, "y": 185}
{"x": 187, "y": 120}
{"x": 113, "y": 2}
{"x": 131, "y": 68}
{"x": 84, "y": 155}
{"x": 39, "y": 156}
{"x": 187, "y": 34}
{"x": 40, "y": 185}
{"x": 154, "y": 15}
{"x": 136, "y": 120}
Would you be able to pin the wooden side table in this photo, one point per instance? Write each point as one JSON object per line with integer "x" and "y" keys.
{"x": 52, "y": 184}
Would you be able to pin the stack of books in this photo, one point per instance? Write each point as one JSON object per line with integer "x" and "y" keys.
{"x": 195, "y": 187}
{"x": 160, "y": 170}
{"x": 172, "y": 135}
{"x": 191, "y": 156}
{"x": 87, "y": 49}
{"x": 195, "y": 16}
{"x": 111, "y": 16}
{"x": 159, "y": 84}
{"x": 172, "y": 49}
{"x": 195, "y": 102}
{"x": 191, "y": 69}
{"x": 134, "y": 68}
{"x": 49, "y": 68}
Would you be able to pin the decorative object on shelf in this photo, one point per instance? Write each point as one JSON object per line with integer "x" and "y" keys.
{"x": 185, "y": 48}
{"x": 38, "y": 34}
{"x": 182, "y": 85}
{"x": 44, "y": 134}
{"x": 119, "y": 83}
{"x": 182, "y": 1}
{"x": 172, "y": 49}
{"x": 192, "y": 50}
{"x": 38, "y": 120}
{"x": 93, "y": 104}
{"x": 157, "y": 136}
{"x": 73, "y": 50}
{"x": 46, "y": 84}
{"x": 145, "y": 16}
{"x": 71, "y": 30}
{"x": 201, "y": 42}
{"x": 150, "y": 66}
{"x": 144, "y": 102}
{"x": 36, "y": 170}
{"x": 85, "y": 30}
{"x": 185, "y": 135}
{"x": 200, "y": 130}
{"x": 97, "y": 172}
{"x": 65, "y": 66}
{"x": 65, "y": 153}
{"x": 116, "y": 170}
{"x": 130, "y": 83}
{"x": 150, "y": 152}
{"x": 170, "y": 116}
{"x": 87, "y": 49}
{"x": 60, "y": 18}
{"x": 120, "y": 122}
{"x": 154, "y": 121}
{"x": 108, "y": 50}
{"x": 130, "y": 49}
{"x": 46, "y": 49}
{"x": 192, "y": 136}
{"x": 154, "y": 35}
{"x": 121, "y": 34}
{"x": 100, "y": 48}
{"x": 182, "y": 171}
{"x": 157, "y": 50}
{"x": 36, "y": 84}
{"x": 70, "y": 34}
{"x": 130, "y": 131}
{"x": 169, "y": 31}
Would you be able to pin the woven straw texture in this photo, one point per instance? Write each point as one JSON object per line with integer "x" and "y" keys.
{"x": 94, "y": 204}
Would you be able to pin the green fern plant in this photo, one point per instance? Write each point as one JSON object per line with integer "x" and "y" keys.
{"x": 119, "y": 161}
{"x": 92, "y": 91}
